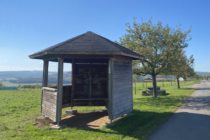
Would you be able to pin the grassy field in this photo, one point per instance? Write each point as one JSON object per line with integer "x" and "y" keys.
{"x": 18, "y": 110}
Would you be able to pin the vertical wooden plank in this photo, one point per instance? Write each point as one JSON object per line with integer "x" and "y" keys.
{"x": 45, "y": 73}
{"x": 122, "y": 98}
{"x": 132, "y": 84}
{"x": 90, "y": 75}
{"x": 110, "y": 89}
{"x": 60, "y": 91}
{"x": 72, "y": 82}
{"x": 44, "y": 78}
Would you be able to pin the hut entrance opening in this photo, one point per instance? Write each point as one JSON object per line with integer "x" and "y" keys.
{"x": 88, "y": 87}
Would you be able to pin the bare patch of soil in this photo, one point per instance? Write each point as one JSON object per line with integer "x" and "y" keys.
{"x": 42, "y": 122}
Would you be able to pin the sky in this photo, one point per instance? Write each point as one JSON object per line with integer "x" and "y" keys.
{"x": 28, "y": 26}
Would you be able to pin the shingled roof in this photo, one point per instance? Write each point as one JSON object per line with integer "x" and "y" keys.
{"x": 88, "y": 43}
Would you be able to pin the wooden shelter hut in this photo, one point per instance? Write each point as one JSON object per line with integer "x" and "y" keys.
{"x": 101, "y": 75}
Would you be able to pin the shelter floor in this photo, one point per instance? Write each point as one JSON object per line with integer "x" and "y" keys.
{"x": 93, "y": 120}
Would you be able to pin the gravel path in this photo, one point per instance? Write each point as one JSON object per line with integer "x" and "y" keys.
{"x": 192, "y": 120}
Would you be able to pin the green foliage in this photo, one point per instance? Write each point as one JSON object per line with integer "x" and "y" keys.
{"x": 20, "y": 108}
{"x": 180, "y": 66}
{"x": 1, "y": 84}
{"x": 156, "y": 43}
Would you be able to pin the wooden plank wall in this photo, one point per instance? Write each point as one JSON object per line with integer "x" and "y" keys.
{"x": 49, "y": 103}
{"x": 121, "y": 87}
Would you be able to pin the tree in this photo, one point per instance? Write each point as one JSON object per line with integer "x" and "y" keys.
{"x": 156, "y": 43}
{"x": 190, "y": 72}
{"x": 1, "y": 84}
{"x": 181, "y": 66}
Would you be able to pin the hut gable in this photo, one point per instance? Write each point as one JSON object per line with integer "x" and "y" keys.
{"x": 88, "y": 43}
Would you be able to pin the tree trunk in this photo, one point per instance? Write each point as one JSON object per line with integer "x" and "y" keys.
{"x": 154, "y": 82}
{"x": 178, "y": 83}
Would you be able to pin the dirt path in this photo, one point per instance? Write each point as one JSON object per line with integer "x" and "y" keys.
{"x": 191, "y": 121}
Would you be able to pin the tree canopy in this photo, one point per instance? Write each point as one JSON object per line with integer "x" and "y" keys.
{"x": 181, "y": 66}
{"x": 157, "y": 43}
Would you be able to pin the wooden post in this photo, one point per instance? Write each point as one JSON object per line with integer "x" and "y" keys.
{"x": 110, "y": 67}
{"x": 90, "y": 85}
{"x": 45, "y": 73}
{"x": 60, "y": 91}
{"x": 72, "y": 83}
{"x": 45, "y": 77}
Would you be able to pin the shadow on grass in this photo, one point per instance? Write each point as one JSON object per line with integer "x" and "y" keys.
{"x": 137, "y": 124}
{"x": 141, "y": 124}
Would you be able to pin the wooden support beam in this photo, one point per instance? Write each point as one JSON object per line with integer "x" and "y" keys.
{"x": 110, "y": 67}
{"x": 60, "y": 91}
{"x": 90, "y": 75}
{"x": 72, "y": 82}
{"x": 45, "y": 73}
{"x": 44, "y": 78}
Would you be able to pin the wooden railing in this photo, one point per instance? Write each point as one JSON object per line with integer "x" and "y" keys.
{"x": 49, "y": 101}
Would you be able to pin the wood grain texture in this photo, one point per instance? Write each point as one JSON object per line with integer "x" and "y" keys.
{"x": 49, "y": 106}
{"x": 121, "y": 87}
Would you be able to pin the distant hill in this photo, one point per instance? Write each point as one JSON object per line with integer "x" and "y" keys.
{"x": 35, "y": 77}
{"x": 203, "y": 73}
{"x": 31, "y": 77}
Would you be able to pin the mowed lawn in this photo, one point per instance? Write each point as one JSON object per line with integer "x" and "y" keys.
{"x": 19, "y": 109}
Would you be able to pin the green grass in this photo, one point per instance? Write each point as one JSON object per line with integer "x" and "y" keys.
{"x": 18, "y": 110}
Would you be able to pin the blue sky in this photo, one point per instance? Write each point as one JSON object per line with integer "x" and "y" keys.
{"x": 28, "y": 26}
